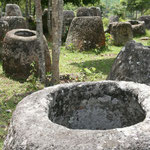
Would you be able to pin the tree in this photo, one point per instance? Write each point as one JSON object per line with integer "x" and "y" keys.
{"x": 39, "y": 32}
{"x": 30, "y": 7}
{"x": 57, "y": 19}
{"x": 49, "y": 18}
{"x": 138, "y": 5}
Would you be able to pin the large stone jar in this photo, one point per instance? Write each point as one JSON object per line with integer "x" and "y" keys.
{"x": 138, "y": 27}
{"x": 83, "y": 116}
{"x": 20, "y": 50}
{"x": 86, "y": 33}
{"x": 121, "y": 32}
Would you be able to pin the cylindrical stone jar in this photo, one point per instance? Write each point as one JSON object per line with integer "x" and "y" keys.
{"x": 21, "y": 48}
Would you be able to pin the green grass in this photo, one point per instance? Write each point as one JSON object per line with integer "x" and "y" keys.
{"x": 88, "y": 65}
{"x": 144, "y": 42}
{"x": 76, "y": 62}
{"x": 9, "y": 97}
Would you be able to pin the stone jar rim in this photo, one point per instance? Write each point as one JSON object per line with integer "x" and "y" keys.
{"x": 12, "y": 34}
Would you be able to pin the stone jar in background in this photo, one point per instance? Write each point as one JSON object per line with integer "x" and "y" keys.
{"x": 20, "y": 50}
{"x": 92, "y": 11}
{"x": 121, "y": 32}
{"x": 12, "y": 10}
{"x": 86, "y": 33}
{"x": 138, "y": 27}
{"x": 15, "y": 22}
{"x": 132, "y": 64}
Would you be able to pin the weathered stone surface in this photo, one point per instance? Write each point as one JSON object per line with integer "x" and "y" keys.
{"x": 113, "y": 19}
{"x": 15, "y": 22}
{"x": 146, "y": 19}
{"x": 95, "y": 11}
{"x": 68, "y": 16}
{"x": 132, "y": 64}
{"x": 20, "y": 49}
{"x": 3, "y": 30}
{"x": 77, "y": 117}
{"x": 138, "y": 27}
{"x": 121, "y": 32}
{"x": 12, "y": 10}
{"x": 86, "y": 33}
{"x": 92, "y": 11}
{"x": 83, "y": 11}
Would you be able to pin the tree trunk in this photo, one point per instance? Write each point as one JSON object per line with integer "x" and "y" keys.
{"x": 57, "y": 19}
{"x": 30, "y": 12}
{"x": 27, "y": 12}
{"x": 39, "y": 32}
{"x": 136, "y": 14}
{"x": 49, "y": 21}
{"x": 1, "y": 7}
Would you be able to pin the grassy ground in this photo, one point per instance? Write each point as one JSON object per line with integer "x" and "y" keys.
{"x": 89, "y": 66}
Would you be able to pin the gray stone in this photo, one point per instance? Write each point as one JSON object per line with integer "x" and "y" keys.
{"x": 68, "y": 16}
{"x": 15, "y": 22}
{"x": 95, "y": 11}
{"x": 132, "y": 64}
{"x": 12, "y": 10}
{"x": 138, "y": 27}
{"x": 103, "y": 115}
{"x": 113, "y": 19}
{"x": 86, "y": 33}
{"x": 92, "y": 11}
{"x": 83, "y": 11}
{"x": 121, "y": 32}
{"x": 20, "y": 49}
{"x": 146, "y": 19}
{"x": 3, "y": 30}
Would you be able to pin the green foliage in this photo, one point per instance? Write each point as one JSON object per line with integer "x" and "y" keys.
{"x": 70, "y": 6}
{"x": 147, "y": 33}
{"x": 109, "y": 40}
{"x": 71, "y": 47}
{"x": 105, "y": 22}
{"x": 33, "y": 81}
{"x": 81, "y": 2}
{"x": 147, "y": 12}
{"x": 119, "y": 10}
{"x": 87, "y": 72}
{"x": 138, "y": 5}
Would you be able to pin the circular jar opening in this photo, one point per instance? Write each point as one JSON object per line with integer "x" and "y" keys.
{"x": 24, "y": 33}
{"x": 95, "y": 107}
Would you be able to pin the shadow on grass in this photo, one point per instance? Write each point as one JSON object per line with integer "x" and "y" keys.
{"x": 102, "y": 66}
